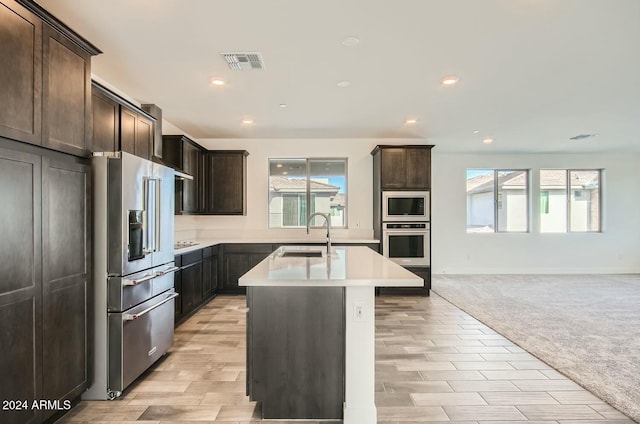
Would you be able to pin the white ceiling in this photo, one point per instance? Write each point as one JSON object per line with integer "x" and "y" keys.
{"x": 533, "y": 73}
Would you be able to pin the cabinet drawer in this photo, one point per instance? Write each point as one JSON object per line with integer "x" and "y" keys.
{"x": 248, "y": 248}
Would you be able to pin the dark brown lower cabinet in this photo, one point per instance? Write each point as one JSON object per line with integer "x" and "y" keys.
{"x": 209, "y": 271}
{"x": 237, "y": 259}
{"x": 295, "y": 360}
{"x": 196, "y": 281}
{"x": 45, "y": 289}
{"x": 422, "y": 272}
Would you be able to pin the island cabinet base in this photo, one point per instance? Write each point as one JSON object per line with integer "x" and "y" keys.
{"x": 296, "y": 351}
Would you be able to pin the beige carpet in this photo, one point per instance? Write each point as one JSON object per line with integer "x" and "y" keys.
{"x": 585, "y": 326}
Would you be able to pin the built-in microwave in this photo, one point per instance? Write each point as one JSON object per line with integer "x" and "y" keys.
{"x": 405, "y": 206}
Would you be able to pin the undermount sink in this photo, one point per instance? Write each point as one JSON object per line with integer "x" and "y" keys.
{"x": 302, "y": 254}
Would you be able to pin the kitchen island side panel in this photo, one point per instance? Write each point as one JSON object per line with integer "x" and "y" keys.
{"x": 296, "y": 351}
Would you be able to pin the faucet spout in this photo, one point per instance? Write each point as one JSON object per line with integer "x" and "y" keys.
{"x": 327, "y": 220}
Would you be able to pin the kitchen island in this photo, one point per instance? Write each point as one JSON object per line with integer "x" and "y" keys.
{"x": 311, "y": 331}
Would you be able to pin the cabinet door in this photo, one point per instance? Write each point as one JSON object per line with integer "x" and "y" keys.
{"x": 207, "y": 280}
{"x": 66, "y": 276}
{"x": 106, "y": 123}
{"x": 226, "y": 193}
{"x": 202, "y": 182}
{"x": 127, "y": 130}
{"x": 191, "y": 287}
{"x": 20, "y": 285}
{"x": 393, "y": 168}
{"x": 418, "y": 168}
{"x": 66, "y": 88}
{"x": 20, "y": 73}
{"x": 235, "y": 265}
{"x": 190, "y": 164}
{"x": 156, "y": 112}
{"x": 144, "y": 137}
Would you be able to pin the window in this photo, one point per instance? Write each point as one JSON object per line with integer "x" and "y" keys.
{"x": 571, "y": 200}
{"x": 301, "y": 187}
{"x": 497, "y": 200}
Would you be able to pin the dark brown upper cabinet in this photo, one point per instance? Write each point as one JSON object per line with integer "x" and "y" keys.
{"x": 106, "y": 122}
{"x": 403, "y": 167}
{"x": 185, "y": 155}
{"x": 45, "y": 86}
{"x": 227, "y": 182}
{"x": 219, "y": 177}
{"x": 66, "y": 87}
{"x": 119, "y": 125}
{"x": 136, "y": 133}
{"x": 20, "y": 73}
{"x": 156, "y": 112}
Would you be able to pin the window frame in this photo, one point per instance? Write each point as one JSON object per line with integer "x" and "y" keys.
{"x": 569, "y": 201}
{"x": 497, "y": 199}
{"x": 309, "y": 193}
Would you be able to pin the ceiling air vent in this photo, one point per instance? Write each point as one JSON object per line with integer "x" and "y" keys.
{"x": 582, "y": 137}
{"x": 242, "y": 61}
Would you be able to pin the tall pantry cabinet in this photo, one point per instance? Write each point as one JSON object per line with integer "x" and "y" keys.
{"x": 45, "y": 137}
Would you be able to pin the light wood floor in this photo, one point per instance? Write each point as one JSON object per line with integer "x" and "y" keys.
{"x": 434, "y": 363}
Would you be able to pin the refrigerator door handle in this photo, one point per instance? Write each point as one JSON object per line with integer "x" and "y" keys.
{"x": 132, "y": 317}
{"x": 151, "y": 211}
{"x": 158, "y": 218}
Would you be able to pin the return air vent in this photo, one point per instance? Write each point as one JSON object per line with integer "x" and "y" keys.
{"x": 242, "y": 61}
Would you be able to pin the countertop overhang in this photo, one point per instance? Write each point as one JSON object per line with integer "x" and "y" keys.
{"x": 345, "y": 266}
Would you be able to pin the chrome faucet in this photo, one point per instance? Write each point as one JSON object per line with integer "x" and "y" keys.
{"x": 328, "y": 221}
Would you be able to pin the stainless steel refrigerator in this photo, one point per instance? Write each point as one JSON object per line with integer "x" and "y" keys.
{"x": 133, "y": 207}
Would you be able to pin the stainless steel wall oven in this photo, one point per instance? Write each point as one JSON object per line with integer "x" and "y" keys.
{"x": 407, "y": 243}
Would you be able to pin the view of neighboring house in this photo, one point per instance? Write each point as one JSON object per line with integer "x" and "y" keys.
{"x": 508, "y": 207}
{"x": 288, "y": 206}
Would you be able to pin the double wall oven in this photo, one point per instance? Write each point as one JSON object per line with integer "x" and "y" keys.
{"x": 406, "y": 227}
{"x": 133, "y": 269}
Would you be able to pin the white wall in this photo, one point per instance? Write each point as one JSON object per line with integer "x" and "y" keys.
{"x": 256, "y": 223}
{"x": 615, "y": 249}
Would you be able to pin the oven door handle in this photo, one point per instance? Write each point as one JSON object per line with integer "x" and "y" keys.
{"x": 133, "y": 317}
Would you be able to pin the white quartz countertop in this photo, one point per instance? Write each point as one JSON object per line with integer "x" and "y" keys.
{"x": 345, "y": 266}
{"x": 202, "y": 243}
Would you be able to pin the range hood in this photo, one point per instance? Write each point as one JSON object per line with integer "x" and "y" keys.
{"x": 182, "y": 176}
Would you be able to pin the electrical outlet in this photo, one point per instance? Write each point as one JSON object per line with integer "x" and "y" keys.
{"x": 358, "y": 312}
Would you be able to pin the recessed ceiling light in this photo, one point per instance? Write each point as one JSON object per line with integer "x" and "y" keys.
{"x": 283, "y": 105}
{"x": 476, "y": 131}
{"x": 410, "y": 121}
{"x": 343, "y": 84}
{"x": 279, "y": 165}
{"x": 247, "y": 121}
{"x": 487, "y": 140}
{"x": 350, "y": 41}
{"x": 284, "y": 172}
{"x": 217, "y": 81}
{"x": 451, "y": 80}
